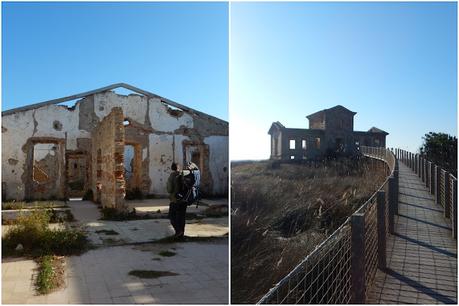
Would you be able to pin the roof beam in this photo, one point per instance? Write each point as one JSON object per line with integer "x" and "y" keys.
{"x": 106, "y": 88}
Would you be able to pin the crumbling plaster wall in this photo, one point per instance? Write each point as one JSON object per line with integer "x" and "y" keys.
{"x": 38, "y": 124}
{"x": 163, "y": 129}
{"x": 218, "y": 159}
{"x": 168, "y": 129}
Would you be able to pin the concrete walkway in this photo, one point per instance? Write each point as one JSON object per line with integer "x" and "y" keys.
{"x": 101, "y": 276}
{"x": 421, "y": 256}
{"x": 110, "y": 233}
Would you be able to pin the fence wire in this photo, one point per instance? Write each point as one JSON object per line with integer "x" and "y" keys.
{"x": 442, "y": 187}
{"x": 452, "y": 183}
{"x": 371, "y": 243}
{"x": 323, "y": 277}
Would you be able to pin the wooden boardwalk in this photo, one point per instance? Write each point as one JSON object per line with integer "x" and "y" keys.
{"x": 421, "y": 256}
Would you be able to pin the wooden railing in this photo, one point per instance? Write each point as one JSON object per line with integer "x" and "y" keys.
{"x": 440, "y": 183}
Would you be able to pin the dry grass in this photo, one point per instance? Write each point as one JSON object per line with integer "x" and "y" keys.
{"x": 279, "y": 214}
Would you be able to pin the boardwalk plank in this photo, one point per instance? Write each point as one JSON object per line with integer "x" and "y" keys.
{"x": 421, "y": 256}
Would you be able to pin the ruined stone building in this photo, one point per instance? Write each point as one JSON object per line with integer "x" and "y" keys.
{"x": 109, "y": 144}
{"x": 330, "y": 131}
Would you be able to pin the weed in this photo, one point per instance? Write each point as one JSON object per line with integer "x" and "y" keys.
{"x": 50, "y": 274}
{"x": 151, "y": 273}
{"x": 32, "y": 232}
{"x": 59, "y": 216}
{"x": 14, "y": 205}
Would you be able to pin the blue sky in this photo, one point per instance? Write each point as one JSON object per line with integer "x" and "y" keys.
{"x": 395, "y": 64}
{"x": 176, "y": 50}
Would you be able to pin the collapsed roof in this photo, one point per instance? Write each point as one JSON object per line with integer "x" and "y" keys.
{"x": 107, "y": 88}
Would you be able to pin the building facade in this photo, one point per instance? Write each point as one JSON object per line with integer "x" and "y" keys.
{"x": 108, "y": 144}
{"x": 331, "y": 131}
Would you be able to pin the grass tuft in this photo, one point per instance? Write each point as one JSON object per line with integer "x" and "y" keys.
{"x": 50, "y": 274}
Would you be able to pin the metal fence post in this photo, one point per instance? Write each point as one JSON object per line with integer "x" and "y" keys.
{"x": 447, "y": 196}
{"x": 432, "y": 178}
{"x": 419, "y": 165}
{"x": 428, "y": 175}
{"x": 423, "y": 170}
{"x": 416, "y": 164}
{"x": 381, "y": 214}
{"x": 358, "y": 258}
{"x": 393, "y": 207}
{"x": 437, "y": 185}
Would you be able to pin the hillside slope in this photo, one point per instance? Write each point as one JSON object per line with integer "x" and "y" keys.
{"x": 281, "y": 212}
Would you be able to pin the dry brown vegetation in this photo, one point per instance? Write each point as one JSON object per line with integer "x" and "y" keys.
{"x": 281, "y": 212}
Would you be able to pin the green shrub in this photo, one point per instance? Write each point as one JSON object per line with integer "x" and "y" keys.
{"x": 64, "y": 242}
{"x": 59, "y": 216}
{"x": 13, "y": 205}
{"x": 50, "y": 274}
{"x": 32, "y": 232}
{"x": 45, "y": 274}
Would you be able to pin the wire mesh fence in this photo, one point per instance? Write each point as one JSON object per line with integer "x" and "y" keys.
{"x": 452, "y": 199}
{"x": 442, "y": 187}
{"x": 371, "y": 243}
{"x": 323, "y": 277}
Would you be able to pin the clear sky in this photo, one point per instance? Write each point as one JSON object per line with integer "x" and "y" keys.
{"x": 176, "y": 50}
{"x": 395, "y": 64}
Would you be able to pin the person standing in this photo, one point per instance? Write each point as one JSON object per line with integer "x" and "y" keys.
{"x": 197, "y": 179}
{"x": 177, "y": 209}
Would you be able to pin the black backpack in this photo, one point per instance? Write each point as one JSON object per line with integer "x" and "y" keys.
{"x": 185, "y": 186}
